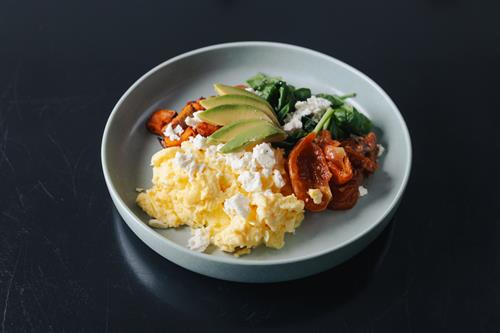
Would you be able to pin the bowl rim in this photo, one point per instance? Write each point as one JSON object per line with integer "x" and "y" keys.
{"x": 253, "y": 262}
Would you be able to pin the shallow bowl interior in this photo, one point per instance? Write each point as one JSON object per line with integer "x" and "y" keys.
{"x": 128, "y": 147}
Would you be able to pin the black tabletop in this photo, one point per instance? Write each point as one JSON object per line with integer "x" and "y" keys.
{"x": 69, "y": 263}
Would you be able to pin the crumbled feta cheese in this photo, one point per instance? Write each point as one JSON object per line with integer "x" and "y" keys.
{"x": 139, "y": 189}
{"x": 313, "y": 106}
{"x": 278, "y": 179}
{"x": 292, "y": 123}
{"x": 316, "y": 195}
{"x": 381, "y": 150}
{"x": 362, "y": 191}
{"x": 237, "y": 205}
{"x": 264, "y": 155}
{"x": 199, "y": 240}
{"x": 173, "y": 133}
{"x": 183, "y": 160}
{"x": 238, "y": 160}
{"x": 178, "y": 130}
{"x": 187, "y": 162}
{"x": 193, "y": 120}
{"x": 250, "y": 89}
{"x": 199, "y": 142}
{"x": 250, "y": 181}
{"x": 242, "y": 161}
{"x": 266, "y": 172}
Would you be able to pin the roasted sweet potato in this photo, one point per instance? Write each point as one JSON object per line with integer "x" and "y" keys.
{"x": 159, "y": 119}
{"x": 187, "y": 111}
{"x": 308, "y": 170}
{"x": 196, "y": 104}
{"x": 206, "y": 129}
{"x": 188, "y": 132}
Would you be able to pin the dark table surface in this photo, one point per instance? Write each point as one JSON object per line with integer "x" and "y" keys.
{"x": 69, "y": 263}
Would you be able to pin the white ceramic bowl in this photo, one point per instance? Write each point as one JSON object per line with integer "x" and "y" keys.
{"x": 324, "y": 239}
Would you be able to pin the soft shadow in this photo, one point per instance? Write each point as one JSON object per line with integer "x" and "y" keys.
{"x": 204, "y": 298}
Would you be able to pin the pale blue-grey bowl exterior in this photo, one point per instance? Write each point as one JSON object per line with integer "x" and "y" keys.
{"x": 324, "y": 239}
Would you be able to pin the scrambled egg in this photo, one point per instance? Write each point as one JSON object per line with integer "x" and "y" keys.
{"x": 230, "y": 200}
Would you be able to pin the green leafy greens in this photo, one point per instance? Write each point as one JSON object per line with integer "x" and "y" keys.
{"x": 281, "y": 95}
{"x": 341, "y": 119}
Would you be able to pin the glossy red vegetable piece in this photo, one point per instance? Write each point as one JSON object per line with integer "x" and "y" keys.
{"x": 309, "y": 170}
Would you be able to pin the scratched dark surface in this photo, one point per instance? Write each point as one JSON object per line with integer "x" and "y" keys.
{"x": 67, "y": 261}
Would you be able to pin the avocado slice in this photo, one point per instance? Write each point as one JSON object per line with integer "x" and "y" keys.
{"x": 228, "y": 113}
{"x": 228, "y": 132}
{"x": 222, "y": 89}
{"x": 239, "y": 99}
{"x": 265, "y": 132}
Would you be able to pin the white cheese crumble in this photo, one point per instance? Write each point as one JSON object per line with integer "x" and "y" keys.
{"x": 173, "y": 133}
{"x": 381, "y": 150}
{"x": 312, "y": 106}
{"x": 362, "y": 191}
{"x": 193, "y": 120}
{"x": 278, "y": 179}
{"x": 316, "y": 195}
{"x": 199, "y": 142}
{"x": 187, "y": 162}
{"x": 238, "y": 160}
{"x": 237, "y": 205}
{"x": 264, "y": 155}
{"x": 252, "y": 90}
{"x": 250, "y": 181}
{"x": 199, "y": 240}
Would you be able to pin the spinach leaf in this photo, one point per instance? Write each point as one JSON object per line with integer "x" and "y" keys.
{"x": 286, "y": 100}
{"x": 334, "y": 99}
{"x": 302, "y": 94}
{"x": 333, "y": 127}
{"x": 278, "y": 93}
{"x": 291, "y": 140}
{"x": 308, "y": 123}
{"x": 270, "y": 93}
{"x": 285, "y": 94}
{"x": 261, "y": 81}
{"x": 351, "y": 121}
{"x": 282, "y": 113}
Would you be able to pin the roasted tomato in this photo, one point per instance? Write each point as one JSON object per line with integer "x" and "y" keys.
{"x": 345, "y": 196}
{"x": 362, "y": 151}
{"x": 308, "y": 170}
{"x": 188, "y": 132}
{"x": 336, "y": 158}
{"x": 206, "y": 129}
{"x": 159, "y": 119}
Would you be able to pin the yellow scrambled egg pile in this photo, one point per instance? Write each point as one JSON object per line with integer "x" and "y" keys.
{"x": 230, "y": 200}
